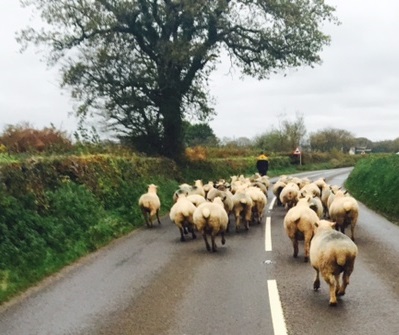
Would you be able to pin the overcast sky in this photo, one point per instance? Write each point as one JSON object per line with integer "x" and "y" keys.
{"x": 356, "y": 88}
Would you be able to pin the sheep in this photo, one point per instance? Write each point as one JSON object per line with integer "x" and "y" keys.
{"x": 196, "y": 199}
{"x": 321, "y": 182}
{"x": 242, "y": 208}
{"x": 183, "y": 188}
{"x": 332, "y": 253}
{"x": 298, "y": 224}
{"x": 259, "y": 201}
{"x": 227, "y": 198}
{"x": 317, "y": 206}
{"x": 314, "y": 202}
{"x": 210, "y": 218}
{"x": 207, "y": 187}
{"x": 181, "y": 214}
{"x": 150, "y": 205}
{"x": 198, "y": 188}
{"x": 311, "y": 189}
{"x": 277, "y": 188}
{"x": 344, "y": 210}
{"x": 289, "y": 195}
{"x": 260, "y": 185}
{"x": 328, "y": 196}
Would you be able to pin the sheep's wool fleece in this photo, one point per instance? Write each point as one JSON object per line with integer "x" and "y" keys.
{"x": 333, "y": 245}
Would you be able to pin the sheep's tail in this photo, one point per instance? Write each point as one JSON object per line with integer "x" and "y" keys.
{"x": 206, "y": 213}
{"x": 344, "y": 258}
{"x": 348, "y": 206}
{"x": 341, "y": 259}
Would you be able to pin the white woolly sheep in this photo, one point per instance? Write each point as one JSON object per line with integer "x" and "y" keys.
{"x": 259, "y": 201}
{"x": 207, "y": 187}
{"x": 344, "y": 210}
{"x": 332, "y": 253}
{"x": 227, "y": 198}
{"x": 277, "y": 188}
{"x": 242, "y": 208}
{"x": 150, "y": 205}
{"x": 314, "y": 203}
{"x": 329, "y": 195}
{"x": 317, "y": 206}
{"x": 198, "y": 188}
{"x": 299, "y": 224}
{"x": 310, "y": 189}
{"x": 210, "y": 218}
{"x": 289, "y": 195}
{"x": 181, "y": 214}
{"x": 196, "y": 199}
{"x": 183, "y": 189}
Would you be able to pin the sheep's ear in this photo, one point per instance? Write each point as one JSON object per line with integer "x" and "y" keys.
{"x": 333, "y": 224}
{"x": 346, "y": 192}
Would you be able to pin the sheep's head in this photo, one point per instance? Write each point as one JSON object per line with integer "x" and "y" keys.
{"x": 324, "y": 225}
{"x": 152, "y": 188}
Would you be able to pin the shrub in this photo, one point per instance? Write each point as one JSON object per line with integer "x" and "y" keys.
{"x": 24, "y": 138}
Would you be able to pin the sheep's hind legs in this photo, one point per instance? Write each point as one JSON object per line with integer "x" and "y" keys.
{"x": 147, "y": 217}
{"x": 295, "y": 245}
{"x": 223, "y": 239}
{"x": 316, "y": 283}
{"x": 208, "y": 247}
{"x": 334, "y": 286}
{"x": 191, "y": 229}
{"x": 159, "y": 221}
{"x": 182, "y": 238}
{"x": 214, "y": 247}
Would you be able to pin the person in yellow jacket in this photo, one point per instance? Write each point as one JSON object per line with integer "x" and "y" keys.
{"x": 262, "y": 164}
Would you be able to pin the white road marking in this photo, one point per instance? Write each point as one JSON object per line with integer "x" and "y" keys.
{"x": 276, "y": 309}
{"x": 272, "y": 203}
{"x": 268, "y": 235}
{"x": 278, "y": 320}
{"x": 268, "y": 230}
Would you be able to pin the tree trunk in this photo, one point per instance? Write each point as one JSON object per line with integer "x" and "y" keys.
{"x": 173, "y": 146}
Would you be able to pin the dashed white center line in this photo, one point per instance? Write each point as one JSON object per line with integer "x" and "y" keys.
{"x": 268, "y": 236}
{"x": 278, "y": 320}
{"x": 276, "y": 309}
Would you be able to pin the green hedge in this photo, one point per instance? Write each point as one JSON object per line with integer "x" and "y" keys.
{"x": 375, "y": 182}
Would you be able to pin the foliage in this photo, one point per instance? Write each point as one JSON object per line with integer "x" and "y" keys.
{"x": 197, "y": 153}
{"x": 231, "y": 150}
{"x": 374, "y": 181}
{"x": 330, "y": 139}
{"x": 385, "y": 146}
{"x": 290, "y": 135}
{"x": 24, "y": 138}
{"x": 144, "y": 65}
{"x": 199, "y": 134}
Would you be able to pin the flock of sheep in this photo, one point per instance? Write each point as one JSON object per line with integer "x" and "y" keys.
{"x": 317, "y": 213}
{"x": 309, "y": 205}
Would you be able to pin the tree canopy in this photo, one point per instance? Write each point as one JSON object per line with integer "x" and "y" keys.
{"x": 143, "y": 65}
{"x": 199, "y": 134}
{"x": 328, "y": 139}
{"x": 288, "y": 136}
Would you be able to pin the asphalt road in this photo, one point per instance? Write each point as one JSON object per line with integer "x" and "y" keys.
{"x": 151, "y": 283}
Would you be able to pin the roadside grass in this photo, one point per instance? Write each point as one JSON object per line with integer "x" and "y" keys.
{"x": 375, "y": 182}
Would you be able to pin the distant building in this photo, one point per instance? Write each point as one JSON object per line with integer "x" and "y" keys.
{"x": 359, "y": 150}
